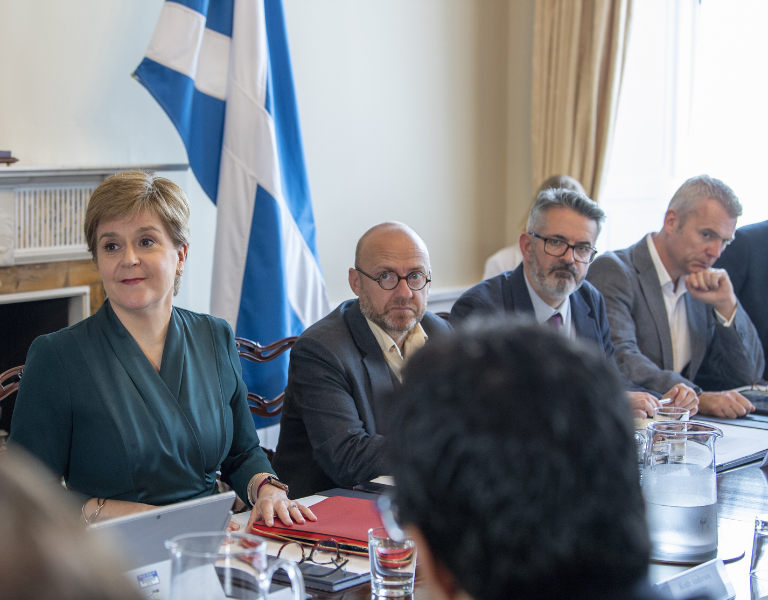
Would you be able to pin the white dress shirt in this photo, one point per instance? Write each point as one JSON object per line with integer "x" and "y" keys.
{"x": 415, "y": 339}
{"x": 677, "y": 316}
{"x": 544, "y": 311}
{"x": 676, "y": 313}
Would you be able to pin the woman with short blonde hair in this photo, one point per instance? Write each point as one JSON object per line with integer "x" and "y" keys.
{"x": 143, "y": 403}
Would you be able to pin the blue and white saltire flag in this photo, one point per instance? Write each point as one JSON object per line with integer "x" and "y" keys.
{"x": 222, "y": 72}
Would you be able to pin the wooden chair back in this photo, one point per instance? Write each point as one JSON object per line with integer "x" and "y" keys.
{"x": 255, "y": 352}
{"x": 9, "y": 381}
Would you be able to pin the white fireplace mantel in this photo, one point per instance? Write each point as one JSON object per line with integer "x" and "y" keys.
{"x": 42, "y": 210}
{"x": 16, "y": 176}
{"x": 79, "y": 300}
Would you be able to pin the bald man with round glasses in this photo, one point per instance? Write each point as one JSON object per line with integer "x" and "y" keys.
{"x": 345, "y": 367}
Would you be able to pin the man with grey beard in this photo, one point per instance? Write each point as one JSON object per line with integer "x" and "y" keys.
{"x": 558, "y": 247}
{"x": 344, "y": 368}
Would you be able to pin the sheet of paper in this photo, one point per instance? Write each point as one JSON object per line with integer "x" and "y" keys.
{"x": 356, "y": 564}
{"x": 200, "y": 582}
{"x": 384, "y": 480}
{"x": 738, "y": 442}
{"x": 709, "y": 579}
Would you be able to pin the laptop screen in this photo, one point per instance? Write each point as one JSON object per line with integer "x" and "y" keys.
{"x": 140, "y": 538}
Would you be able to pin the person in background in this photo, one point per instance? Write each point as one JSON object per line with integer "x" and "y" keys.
{"x": 674, "y": 319}
{"x": 509, "y": 498}
{"x": 345, "y": 367}
{"x": 746, "y": 262}
{"x": 558, "y": 247}
{"x": 44, "y": 552}
{"x": 510, "y": 257}
{"x": 143, "y": 403}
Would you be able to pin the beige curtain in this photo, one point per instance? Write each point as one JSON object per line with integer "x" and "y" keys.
{"x": 579, "y": 50}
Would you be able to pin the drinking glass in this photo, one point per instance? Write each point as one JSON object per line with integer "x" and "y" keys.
{"x": 216, "y": 566}
{"x": 393, "y": 564}
{"x": 758, "y": 568}
{"x": 640, "y": 446}
{"x": 758, "y": 585}
{"x": 671, "y": 413}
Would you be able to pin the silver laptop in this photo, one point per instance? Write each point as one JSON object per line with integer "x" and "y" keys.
{"x": 140, "y": 538}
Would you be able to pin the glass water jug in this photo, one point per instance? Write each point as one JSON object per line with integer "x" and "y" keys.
{"x": 680, "y": 490}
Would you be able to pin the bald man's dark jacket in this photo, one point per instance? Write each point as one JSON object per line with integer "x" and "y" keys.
{"x": 337, "y": 403}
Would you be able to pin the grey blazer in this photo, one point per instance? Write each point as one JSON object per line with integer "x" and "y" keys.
{"x": 721, "y": 357}
{"x": 337, "y": 402}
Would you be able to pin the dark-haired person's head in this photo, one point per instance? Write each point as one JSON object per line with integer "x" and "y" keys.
{"x": 516, "y": 468}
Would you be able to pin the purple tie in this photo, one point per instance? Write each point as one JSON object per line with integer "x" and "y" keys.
{"x": 556, "y": 321}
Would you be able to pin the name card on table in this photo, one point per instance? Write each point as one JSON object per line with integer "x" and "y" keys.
{"x": 708, "y": 579}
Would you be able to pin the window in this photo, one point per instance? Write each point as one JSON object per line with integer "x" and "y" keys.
{"x": 693, "y": 101}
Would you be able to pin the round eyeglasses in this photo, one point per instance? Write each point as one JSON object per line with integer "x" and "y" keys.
{"x": 582, "y": 253}
{"x": 325, "y": 552}
{"x": 416, "y": 280}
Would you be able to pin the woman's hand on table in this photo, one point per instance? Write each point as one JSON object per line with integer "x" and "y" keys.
{"x": 272, "y": 502}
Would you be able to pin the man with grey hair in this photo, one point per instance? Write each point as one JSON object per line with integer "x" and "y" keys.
{"x": 674, "y": 319}
{"x": 558, "y": 247}
{"x": 344, "y": 368}
{"x": 510, "y": 257}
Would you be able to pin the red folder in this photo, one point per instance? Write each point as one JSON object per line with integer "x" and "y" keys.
{"x": 346, "y": 520}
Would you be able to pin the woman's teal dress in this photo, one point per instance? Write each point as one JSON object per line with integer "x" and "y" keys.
{"x": 94, "y": 410}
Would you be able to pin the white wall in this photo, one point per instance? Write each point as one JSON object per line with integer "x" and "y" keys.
{"x": 68, "y": 100}
{"x": 403, "y": 103}
{"x": 404, "y": 118}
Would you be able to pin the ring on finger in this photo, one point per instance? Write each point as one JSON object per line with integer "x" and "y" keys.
{"x": 294, "y": 506}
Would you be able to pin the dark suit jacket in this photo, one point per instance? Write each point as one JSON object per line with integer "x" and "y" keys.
{"x": 746, "y": 261}
{"x": 507, "y": 293}
{"x": 334, "y": 420}
{"x": 721, "y": 357}
{"x": 93, "y": 409}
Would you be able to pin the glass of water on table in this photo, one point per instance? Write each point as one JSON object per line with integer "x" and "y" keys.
{"x": 674, "y": 413}
{"x": 671, "y": 413}
{"x": 758, "y": 569}
{"x": 393, "y": 564}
